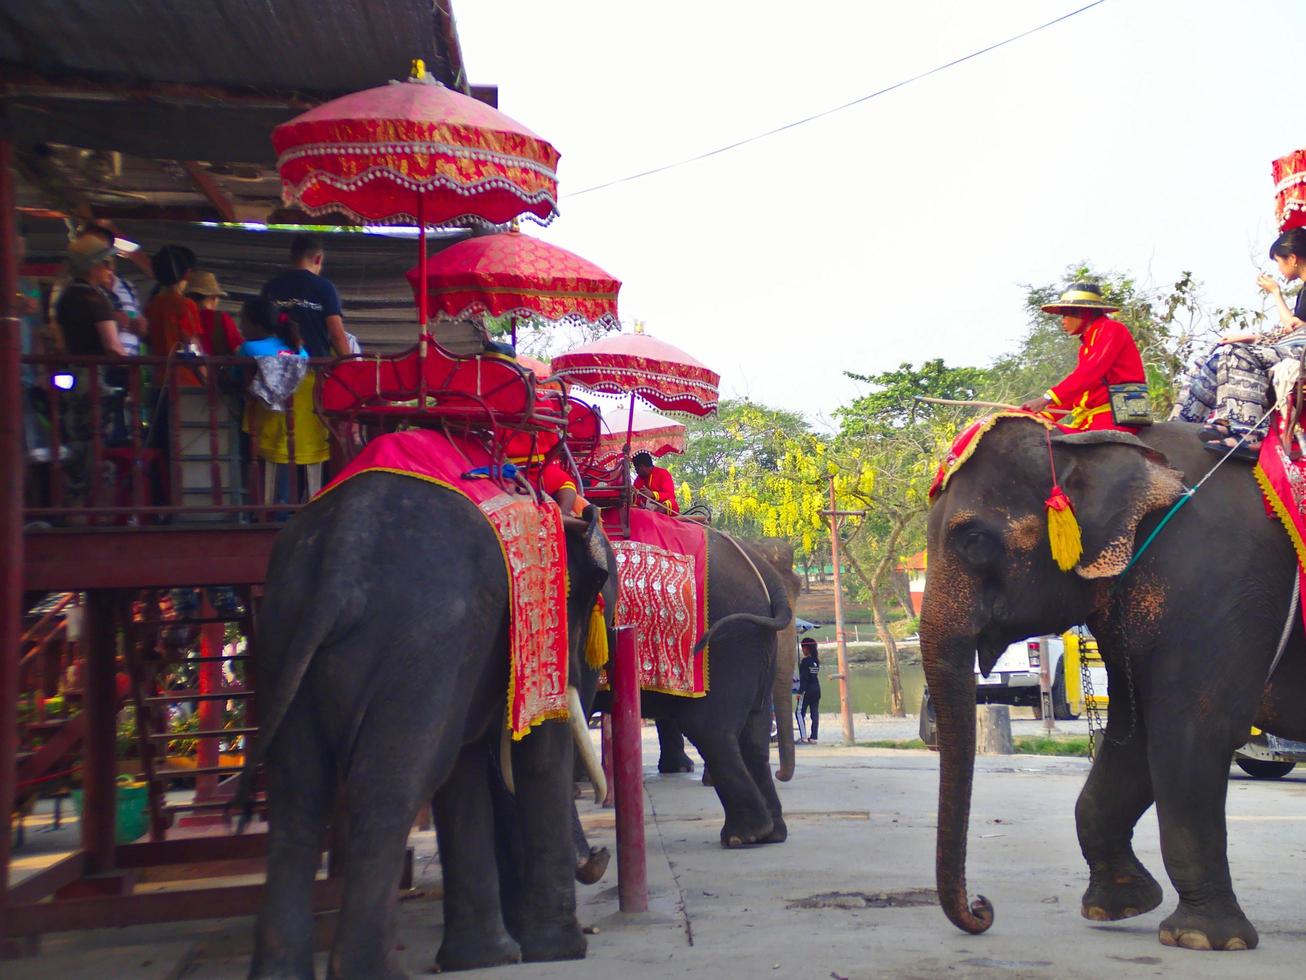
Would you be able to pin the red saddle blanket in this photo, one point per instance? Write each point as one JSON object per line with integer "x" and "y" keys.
{"x": 534, "y": 554}
{"x": 1283, "y": 485}
{"x": 662, "y": 593}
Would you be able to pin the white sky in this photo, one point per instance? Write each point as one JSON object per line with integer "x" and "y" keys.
{"x": 1137, "y": 135}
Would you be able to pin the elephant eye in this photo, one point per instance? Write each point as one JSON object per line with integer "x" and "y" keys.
{"x": 977, "y": 547}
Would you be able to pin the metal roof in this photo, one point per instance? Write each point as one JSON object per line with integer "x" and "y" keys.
{"x": 164, "y": 107}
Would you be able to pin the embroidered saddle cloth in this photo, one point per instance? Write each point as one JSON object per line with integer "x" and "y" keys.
{"x": 662, "y": 593}
{"x": 1282, "y": 480}
{"x": 534, "y": 554}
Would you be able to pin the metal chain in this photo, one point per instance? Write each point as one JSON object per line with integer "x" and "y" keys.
{"x": 1095, "y": 723}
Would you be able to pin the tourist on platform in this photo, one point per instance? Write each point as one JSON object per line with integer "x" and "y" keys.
{"x": 132, "y": 326}
{"x": 1107, "y": 356}
{"x": 84, "y": 311}
{"x": 654, "y": 486}
{"x": 809, "y": 687}
{"x": 272, "y": 338}
{"x": 1230, "y": 390}
{"x": 310, "y": 299}
{"x": 174, "y": 319}
{"x": 218, "y": 334}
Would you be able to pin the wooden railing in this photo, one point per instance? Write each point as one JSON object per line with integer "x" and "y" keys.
{"x": 113, "y": 441}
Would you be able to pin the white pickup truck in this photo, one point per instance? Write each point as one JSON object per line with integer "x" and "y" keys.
{"x": 1014, "y": 678}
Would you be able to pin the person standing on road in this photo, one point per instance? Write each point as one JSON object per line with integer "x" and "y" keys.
{"x": 809, "y": 686}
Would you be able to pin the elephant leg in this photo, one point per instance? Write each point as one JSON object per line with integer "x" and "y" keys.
{"x": 474, "y": 934}
{"x": 1190, "y": 776}
{"x": 748, "y": 818}
{"x": 671, "y": 748}
{"x": 544, "y": 910}
{"x": 393, "y": 770}
{"x": 1118, "y": 791}
{"x": 755, "y": 747}
{"x": 591, "y": 862}
{"x": 301, "y": 791}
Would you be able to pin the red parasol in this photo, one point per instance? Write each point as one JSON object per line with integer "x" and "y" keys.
{"x": 517, "y": 275}
{"x": 415, "y": 152}
{"x": 1290, "y": 190}
{"x": 648, "y": 432}
{"x": 665, "y": 376}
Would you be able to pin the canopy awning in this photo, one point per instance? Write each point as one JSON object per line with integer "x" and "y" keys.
{"x": 153, "y": 108}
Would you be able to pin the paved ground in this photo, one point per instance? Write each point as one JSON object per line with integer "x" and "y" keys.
{"x": 861, "y": 827}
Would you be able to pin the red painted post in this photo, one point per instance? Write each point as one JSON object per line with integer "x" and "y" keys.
{"x": 628, "y": 763}
{"x": 11, "y": 510}
{"x": 210, "y": 712}
{"x": 100, "y": 755}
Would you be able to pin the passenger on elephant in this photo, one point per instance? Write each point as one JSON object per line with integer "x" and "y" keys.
{"x": 1230, "y": 389}
{"x": 1107, "y": 356}
{"x": 556, "y": 480}
{"x": 654, "y": 487}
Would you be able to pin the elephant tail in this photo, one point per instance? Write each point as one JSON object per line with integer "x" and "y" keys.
{"x": 304, "y": 644}
{"x": 781, "y": 616}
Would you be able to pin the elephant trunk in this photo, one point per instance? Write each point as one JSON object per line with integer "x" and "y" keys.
{"x": 783, "y": 699}
{"x": 585, "y": 745}
{"x": 949, "y": 672}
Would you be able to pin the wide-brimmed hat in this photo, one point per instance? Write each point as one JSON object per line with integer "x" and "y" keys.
{"x": 204, "y": 283}
{"x": 1081, "y": 296}
{"x": 85, "y": 252}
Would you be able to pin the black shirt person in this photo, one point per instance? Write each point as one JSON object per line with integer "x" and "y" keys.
{"x": 809, "y": 685}
{"x": 310, "y": 299}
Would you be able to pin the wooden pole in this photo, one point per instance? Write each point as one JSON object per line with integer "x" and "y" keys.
{"x": 100, "y": 702}
{"x": 841, "y": 642}
{"x": 11, "y": 508}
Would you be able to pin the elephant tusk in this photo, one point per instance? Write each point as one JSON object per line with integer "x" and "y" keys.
{"x": 581, "y": 733}
{"x": 505, "y": 758}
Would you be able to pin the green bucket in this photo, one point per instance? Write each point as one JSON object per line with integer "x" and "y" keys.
{"x": 130, "y": 821}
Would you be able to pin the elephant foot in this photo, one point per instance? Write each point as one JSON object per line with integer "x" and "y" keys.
{"x": 1194, "y": 929}
{"x": 779, "y": 831}
{"x": 1120, "y": 893}
{"x": 475, "y": 951}
{"x": 739, "y": 835}
{"x": 559, "y": 943}
{"x": 673, "y": 764}
{"x": 592, "y": 868}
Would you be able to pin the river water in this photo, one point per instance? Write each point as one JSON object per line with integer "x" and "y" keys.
{"x": 868, "y": 686}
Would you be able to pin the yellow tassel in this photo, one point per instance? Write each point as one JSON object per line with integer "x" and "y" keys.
{"x": 596, "y": 640}
{"x": 1063, "y": 531}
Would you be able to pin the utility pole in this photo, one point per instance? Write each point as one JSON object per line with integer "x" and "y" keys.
{"x": 841, "y": 641}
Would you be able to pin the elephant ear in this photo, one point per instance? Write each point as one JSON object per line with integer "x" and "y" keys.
{"x": 1113, "y": 480}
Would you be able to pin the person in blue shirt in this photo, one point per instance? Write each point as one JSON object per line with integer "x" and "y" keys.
{"x": 310, "y": 299}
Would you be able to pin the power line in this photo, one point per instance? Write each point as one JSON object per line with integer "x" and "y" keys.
{"x": 839, "y": 108}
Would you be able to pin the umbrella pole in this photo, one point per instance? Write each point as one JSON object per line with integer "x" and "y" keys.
{"x": 630, "y": 425}
{"x": 421, "y": 303}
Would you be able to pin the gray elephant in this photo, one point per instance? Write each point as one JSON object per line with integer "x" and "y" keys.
{"x": 383, "y": 646}
{"x": 731, "y": 726}
{"x": 1188, "y": 634}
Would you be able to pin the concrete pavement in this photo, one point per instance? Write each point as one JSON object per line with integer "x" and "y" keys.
{"x": 849, "y": 895}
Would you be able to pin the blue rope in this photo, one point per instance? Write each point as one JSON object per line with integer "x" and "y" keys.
{"x": 1147, "y": 543}
{"x": 1190, "y": 491}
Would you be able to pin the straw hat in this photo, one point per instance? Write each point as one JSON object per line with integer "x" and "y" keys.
{"x": 205, "y": 283}
{"x": 1080, "y": 296}
{"x": 85, "y": 252}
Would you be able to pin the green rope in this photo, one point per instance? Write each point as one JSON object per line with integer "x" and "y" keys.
{"x": 1147, "y": 542}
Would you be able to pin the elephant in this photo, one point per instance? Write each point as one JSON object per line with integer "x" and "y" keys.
{"x": 731, "y": 725}
{"x": 383, "y": 644}
{"x": 1188, "y": 623}
{"x": 779, "y": 554}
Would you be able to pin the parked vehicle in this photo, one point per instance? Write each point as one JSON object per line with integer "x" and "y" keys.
{"x": 1267, "y": 756}
{"x": 1014, "y": 679}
